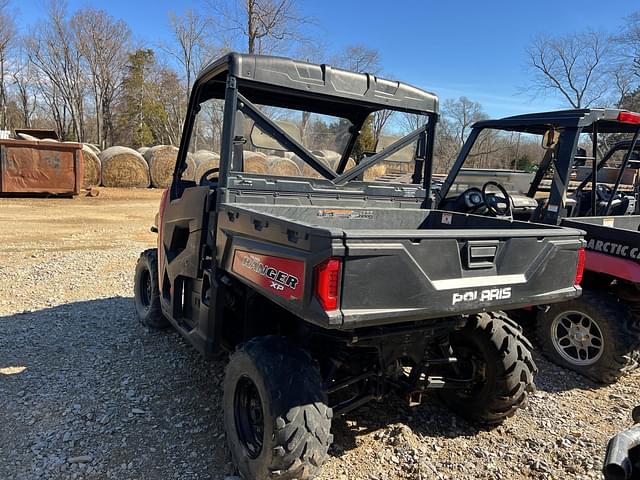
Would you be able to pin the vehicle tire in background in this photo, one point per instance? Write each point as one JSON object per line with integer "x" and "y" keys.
{"x": 596, "y": 335}
{"x": 147, "y": 291}
{"x": 276, "y": 416}
{"x": 491, "y": 348}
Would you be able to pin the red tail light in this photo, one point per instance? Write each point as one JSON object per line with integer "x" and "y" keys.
{"x": 328, "y": 283}
{"x": 582, "y": 259}
{"x": 629, "y": 117}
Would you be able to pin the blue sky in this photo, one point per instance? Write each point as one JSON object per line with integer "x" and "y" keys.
{"x": 473, "y": 48}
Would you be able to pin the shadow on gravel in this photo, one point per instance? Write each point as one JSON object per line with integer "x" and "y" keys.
{"x": 387, "y": 419}
{"x": 98, "y": 385}
{"x": 433, "y": 419}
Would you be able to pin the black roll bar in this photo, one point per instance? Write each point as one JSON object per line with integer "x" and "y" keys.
{"x": 622, "y": 169}
{"x": 271, "y": 128}
{"x": 373, "y": 159}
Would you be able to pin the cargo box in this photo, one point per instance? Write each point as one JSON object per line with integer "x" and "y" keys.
{"x": 28, "y": 167}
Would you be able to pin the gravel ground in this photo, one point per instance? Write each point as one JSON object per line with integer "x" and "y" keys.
{"x": 87, "y": 392}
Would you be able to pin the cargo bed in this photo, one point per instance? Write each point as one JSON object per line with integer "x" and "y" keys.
{"x": 392, "y": 269}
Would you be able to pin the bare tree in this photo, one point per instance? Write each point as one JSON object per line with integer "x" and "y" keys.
{"x": 267, "y": 26}
{"x": 574, "y": 66}
{"x": 629, "y": 42}
{"x": 380, "y": 119}
{"x": 52, "y": 49}
{"x": 7, "y": 37}
{"x": 103, "y": 42}
{"x": 362, "y": 59}
{"x": 191, "y": 33}
{"x": 23, "y": 75}
{"x": 461, "y": 114}
{"x": 410, "y": 121}
{"x": 359, "y": 58}
{"x": 624, "y": 83}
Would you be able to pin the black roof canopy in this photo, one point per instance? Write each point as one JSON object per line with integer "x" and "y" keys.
{"x": 538, "y": 123}
{"x": 279, "y": 81}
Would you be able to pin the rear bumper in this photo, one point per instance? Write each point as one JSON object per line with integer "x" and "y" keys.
{"x": 358, "y": 318}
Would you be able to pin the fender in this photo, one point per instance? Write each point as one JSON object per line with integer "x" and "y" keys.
{"x": 614, "y": 266}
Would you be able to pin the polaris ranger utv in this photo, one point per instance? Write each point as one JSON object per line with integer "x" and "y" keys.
{"x": 332, "y": 291}
{"x": 598, "y": 334}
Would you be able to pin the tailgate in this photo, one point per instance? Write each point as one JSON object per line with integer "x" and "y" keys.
{"x": 434, "y": 273}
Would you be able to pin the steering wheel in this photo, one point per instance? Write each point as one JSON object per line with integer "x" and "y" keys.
{"x": 492, "y": 201}
{"x": 603, "y": 192}
{"x": 204, "y": 178}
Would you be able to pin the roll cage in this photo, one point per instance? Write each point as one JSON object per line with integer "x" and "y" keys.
{"x": 559, "y": 159}
{"x": 248, "y": 82}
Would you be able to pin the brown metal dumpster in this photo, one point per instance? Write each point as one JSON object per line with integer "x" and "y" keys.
{"x": 40, "y": 167}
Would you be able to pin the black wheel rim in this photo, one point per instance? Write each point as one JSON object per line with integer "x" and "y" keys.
{"x": 145, "y": 289}
{"x": 249, "y": 416}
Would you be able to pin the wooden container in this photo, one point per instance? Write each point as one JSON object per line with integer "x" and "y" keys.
{"x": 40, "y": 167}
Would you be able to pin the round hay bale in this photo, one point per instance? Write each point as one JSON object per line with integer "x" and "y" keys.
{"x": 190, "y": 172}
{"x": 375, "y": 172}
{"x": 205, "y": 156}
{"x": 162, "y": 163}
{"x": 283, "y": 167}
{"x": 124, "y": 167}
{"x": 256, "y": 164}
{"x": 204, "y": 161}
{"x": 248, "y": 154}
{"x": 350, "y": 164}
{"x": 330, "y": 157}
{"x": 94, "y": 148}
{"x": 92, "y": 168}
{"x": 307, "y": 171}
{"x": 143, "y": 150}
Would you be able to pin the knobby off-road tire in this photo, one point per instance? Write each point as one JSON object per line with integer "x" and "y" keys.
{"x": 275, "y": 411}
{"x": 147, "y": 291}
{"x": 491, "y": 347}
{"x": 606, "y": 344}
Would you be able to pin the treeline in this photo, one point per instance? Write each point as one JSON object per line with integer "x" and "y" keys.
{"x": 82, "y": 74}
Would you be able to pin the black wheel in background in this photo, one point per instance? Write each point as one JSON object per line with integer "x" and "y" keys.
{"x": 147, "y": 291}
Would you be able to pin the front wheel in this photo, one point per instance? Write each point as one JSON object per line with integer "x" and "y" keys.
{"x": 493, "y": 353}
{"x": 595, "y": 335}
{"x": 275, "y": 411}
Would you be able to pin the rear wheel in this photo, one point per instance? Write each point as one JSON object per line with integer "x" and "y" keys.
{"x": 595, "y": 335}
{"x": 147, "y": 291}
{"x": 275, "y": 411}
{"x": 491, "y": 349}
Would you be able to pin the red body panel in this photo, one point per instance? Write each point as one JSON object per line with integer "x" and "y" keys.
{"x": 282, "y": 276}
{"x": 614, "y": 266}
